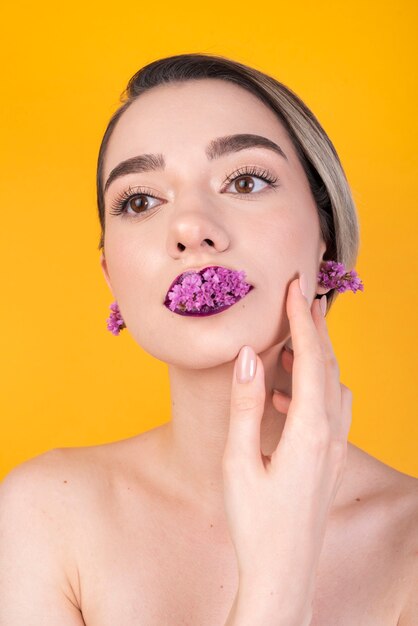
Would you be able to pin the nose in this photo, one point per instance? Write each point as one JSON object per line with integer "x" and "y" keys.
{"x": 194, "y": 231}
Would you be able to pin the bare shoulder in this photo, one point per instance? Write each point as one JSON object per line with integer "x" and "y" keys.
{"x": 408, "y": 534}
{"x": 392, "y": 494}
{"x": 79, "y": 482}
{"x": 86, "y": 474}
{"x": 51, "y": 507}
{"x": 39, "y": 479}
{"x": 391, "y": 507}
{"x": 37, "y": 539}
{"x": 405, "y": 498}
{"x": 51, "y": 488}
{"x": 372, "y": 475}
{"x": 48, "y": 477}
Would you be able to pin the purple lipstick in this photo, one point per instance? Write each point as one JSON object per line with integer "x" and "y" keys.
{"x": 207, "y": 291}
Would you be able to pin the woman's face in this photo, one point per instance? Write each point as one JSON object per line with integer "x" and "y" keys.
{"x": 199, "y": 218}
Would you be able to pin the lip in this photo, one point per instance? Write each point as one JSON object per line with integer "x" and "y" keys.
{"x": 206, "y": 310}
{"x": 191, "y": 270}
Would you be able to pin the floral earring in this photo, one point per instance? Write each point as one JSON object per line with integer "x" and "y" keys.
{"x": 115, "y": 322}
{"x": 333, "y": 275}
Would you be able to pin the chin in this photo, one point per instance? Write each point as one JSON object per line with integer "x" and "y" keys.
{"x": 206, "y": 350}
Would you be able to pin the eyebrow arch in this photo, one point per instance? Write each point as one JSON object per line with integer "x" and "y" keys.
{"x": 234, "y": 143}
{"x": 217, "y": 148}
{"x": 140, "y": 163}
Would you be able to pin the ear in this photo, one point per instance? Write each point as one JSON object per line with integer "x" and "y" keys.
{"x": 105, "y": 271}
{"x": 319, "y": 289}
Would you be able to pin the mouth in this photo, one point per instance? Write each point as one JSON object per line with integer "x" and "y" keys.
{"x": 207, "y": 291}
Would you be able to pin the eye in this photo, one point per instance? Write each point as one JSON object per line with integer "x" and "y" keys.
{"x": 243, "y": 182}
{"x": 134, "y": 202}
{"x": 246, "y": 184}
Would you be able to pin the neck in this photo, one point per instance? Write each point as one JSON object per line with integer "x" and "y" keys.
{"x": 194, "y": 440}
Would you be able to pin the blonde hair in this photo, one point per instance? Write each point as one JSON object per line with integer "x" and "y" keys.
{"x": 318, "y": 157}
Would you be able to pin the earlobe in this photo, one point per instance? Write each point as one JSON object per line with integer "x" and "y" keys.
{"x": 105, "y": 271}
{"x": 320, "y": 289}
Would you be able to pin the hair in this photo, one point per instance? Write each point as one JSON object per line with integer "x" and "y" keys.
{"x": 317, "y": 155}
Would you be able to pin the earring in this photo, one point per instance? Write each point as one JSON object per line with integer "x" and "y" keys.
{"x": 333, "y": 275}
{"x": 115, "y": 322}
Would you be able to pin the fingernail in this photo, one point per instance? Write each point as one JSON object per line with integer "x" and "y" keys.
{"x": 303, "y": 284}
{"x": 288, "y": 348}
{"x": 246, "y": 365}
{"x": 323, "y": 304}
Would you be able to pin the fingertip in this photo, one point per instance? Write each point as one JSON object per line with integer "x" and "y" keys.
{"x": 281, "y": 401}
{"x": 303, "y": 285}
{"x": 246, "y": 364}
{"x": 292, "y": 294}
{"x": 287, "y": 361}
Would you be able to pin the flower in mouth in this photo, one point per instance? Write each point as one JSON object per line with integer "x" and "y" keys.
{"x": 209, "y": 289}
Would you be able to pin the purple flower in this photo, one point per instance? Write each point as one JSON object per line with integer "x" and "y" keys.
{"x": 115, "y": 322}
{"x": 333, "y": 275}
{"x": 216, "y": 287}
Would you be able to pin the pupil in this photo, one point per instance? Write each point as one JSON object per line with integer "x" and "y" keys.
{"x": 245, "y": 183}
{"x": 138, "y": 203}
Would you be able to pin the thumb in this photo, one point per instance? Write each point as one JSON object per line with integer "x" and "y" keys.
{"x": 246, "y": 411}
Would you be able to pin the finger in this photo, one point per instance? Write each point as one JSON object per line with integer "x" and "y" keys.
{"x": 281, "y": 401}
{"x": 246, "y": 411}
{"x": 332, "y": 373}
{"x": 308, "y": 379}
{"x": 287, "y": 360}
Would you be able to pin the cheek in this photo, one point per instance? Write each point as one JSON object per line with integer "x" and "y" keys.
{"x": 291, "y": 238}
{"x": 286, "y": 245}
{"x": 127, "y": 268}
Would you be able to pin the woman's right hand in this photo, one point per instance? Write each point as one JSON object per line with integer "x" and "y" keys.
{"x": 277, "y": 506}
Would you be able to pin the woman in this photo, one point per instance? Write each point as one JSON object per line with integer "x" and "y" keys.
{"x": 218, "y": 190}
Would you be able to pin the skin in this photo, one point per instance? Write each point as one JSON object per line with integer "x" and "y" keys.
{"x": 273, "y": 235}
{"x": 135, "y": 531}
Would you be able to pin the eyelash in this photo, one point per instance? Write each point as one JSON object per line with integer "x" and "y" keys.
{"x": 252, "y": 170}
{"x": 119, "y": 204}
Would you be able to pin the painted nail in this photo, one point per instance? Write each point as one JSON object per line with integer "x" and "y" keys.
{"x": 246, "y": 365}
{"x": 303, "y": 284}
{"x": 323, "y": 304}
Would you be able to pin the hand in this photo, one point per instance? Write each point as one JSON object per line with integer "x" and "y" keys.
{"x": 277, "y": 506}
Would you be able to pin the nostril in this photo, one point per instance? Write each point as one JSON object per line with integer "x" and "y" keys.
{"x": 182, "y": 247}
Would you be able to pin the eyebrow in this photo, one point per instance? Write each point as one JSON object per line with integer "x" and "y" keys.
{"x": 217, "y": 148}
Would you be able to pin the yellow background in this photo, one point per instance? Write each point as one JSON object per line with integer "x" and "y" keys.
{"x": 67, "y": 381}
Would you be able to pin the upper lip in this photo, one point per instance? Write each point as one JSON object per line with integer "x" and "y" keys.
{"x": 196, "y": 269}
{"x": 199, "y": 269}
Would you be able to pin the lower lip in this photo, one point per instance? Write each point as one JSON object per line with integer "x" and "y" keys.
{"x": 206, "y": 311}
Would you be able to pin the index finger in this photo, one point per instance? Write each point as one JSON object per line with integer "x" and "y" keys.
{"x": 308, "y": 379}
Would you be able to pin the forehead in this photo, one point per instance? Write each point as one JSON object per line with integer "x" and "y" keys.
{"x": 182, "y": 118}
